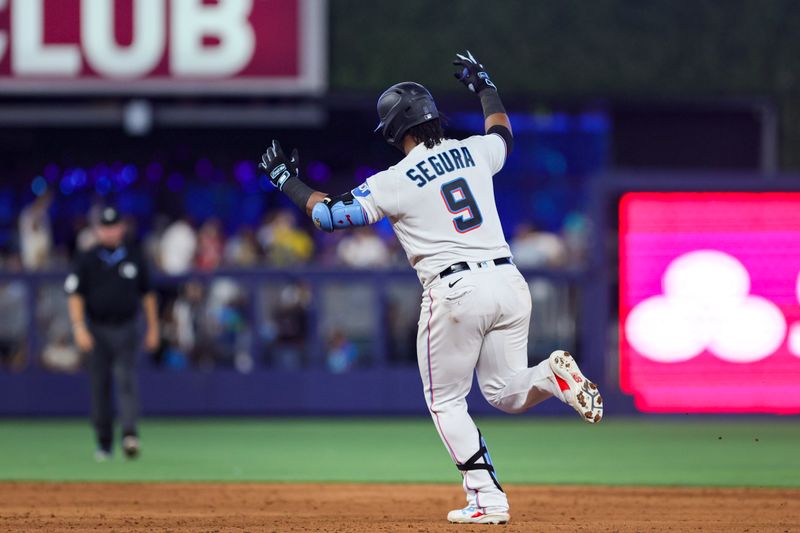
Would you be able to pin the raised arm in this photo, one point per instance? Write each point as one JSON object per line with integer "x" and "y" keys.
{"x": 328, "y": 213}
{"x": 474, "y": 76}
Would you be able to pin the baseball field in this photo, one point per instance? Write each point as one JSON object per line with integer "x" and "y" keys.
{"x": 636, "y": 474}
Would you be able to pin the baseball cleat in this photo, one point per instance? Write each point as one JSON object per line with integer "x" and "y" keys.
{"x": 579, "y": 392}
{"x": 130, "y": 445}
{"x": 475, "y": 515}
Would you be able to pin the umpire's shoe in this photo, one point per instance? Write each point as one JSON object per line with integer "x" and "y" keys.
{"x": 102, "y": 456}
{"x": 130, "y": 445}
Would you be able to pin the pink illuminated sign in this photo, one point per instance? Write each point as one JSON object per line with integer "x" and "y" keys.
{"x": 710, "y": 301}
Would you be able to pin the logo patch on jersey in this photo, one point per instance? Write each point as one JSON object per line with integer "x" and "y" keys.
{"x": 128, "y": 270}
{"x": 362, "y": 191}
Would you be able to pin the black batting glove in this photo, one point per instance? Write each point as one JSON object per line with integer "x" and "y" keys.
{"x": 278, "y": 167}
{"x": 472, "y": 74}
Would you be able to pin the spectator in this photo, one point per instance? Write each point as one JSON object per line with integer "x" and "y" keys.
{"x": 283, "y": 242}
{"x": 35, "y": 233}
{"x": 209, "y": 246}
{"x": 532, "y": 248}
{"x": 151, "y": 243}
{"x": 576, "y": 234}
{"x": 241, "y": 250}
{"x": 54, "y": 327}
{"x": 342, "y": 353}
{"x": 85, "y": 238}
{"x": 362, "y": 248}
{"x": 227, "y": 324}
{"x": 185, "y": 320}
{"x": 290, "y": 317}
{"x": 13, "y": 296}
{"x": 177, "y": 248}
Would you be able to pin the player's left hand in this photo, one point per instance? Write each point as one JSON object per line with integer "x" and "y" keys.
{"x": 472, "y": 74}
{"x": 278, "y": 167}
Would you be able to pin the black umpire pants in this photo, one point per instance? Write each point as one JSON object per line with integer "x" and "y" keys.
{"x": 114, "y": 360}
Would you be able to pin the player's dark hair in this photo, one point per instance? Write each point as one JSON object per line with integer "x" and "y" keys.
{"x": 429, "y": 133}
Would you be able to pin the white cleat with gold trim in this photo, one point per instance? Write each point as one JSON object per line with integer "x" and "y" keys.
{"x": 579, "y": 392}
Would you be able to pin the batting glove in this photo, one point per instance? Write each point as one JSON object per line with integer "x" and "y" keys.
{"x": 472, "y": 74}
{"x": 278, "y": 167}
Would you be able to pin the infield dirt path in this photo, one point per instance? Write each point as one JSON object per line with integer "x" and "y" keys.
{"x": 287, "y": 507}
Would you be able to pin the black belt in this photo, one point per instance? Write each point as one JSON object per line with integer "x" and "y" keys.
{"x": 463, "y": 265}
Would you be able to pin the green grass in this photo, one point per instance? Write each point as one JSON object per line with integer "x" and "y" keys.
{"x": 525, "y": 450}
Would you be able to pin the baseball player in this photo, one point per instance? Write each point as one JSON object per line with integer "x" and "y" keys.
{"x": 476, "y": 306}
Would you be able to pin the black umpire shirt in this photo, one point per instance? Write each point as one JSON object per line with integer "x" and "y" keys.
{"x": 111, "y": 281}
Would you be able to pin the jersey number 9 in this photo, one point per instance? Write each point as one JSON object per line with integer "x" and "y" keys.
{"x": 459, "y": 200}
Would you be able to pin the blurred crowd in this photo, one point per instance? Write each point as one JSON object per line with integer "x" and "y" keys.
{"x": 216, "y": 322}
{"x": 181, "y": 245}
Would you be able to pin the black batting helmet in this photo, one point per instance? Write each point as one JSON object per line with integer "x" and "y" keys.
{"x": 401, "y": 107}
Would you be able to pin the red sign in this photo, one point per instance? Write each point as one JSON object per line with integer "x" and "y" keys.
{"x": 710, "y": 301}
{"x": 151, "y": 46}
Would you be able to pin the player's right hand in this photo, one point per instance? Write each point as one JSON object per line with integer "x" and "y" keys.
{"x": 83, "y": 339}
{"x": 472, "y": 74}
{"x": 278, "y": 167}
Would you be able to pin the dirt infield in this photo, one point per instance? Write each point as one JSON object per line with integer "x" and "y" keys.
{"x": 361, "y": 508}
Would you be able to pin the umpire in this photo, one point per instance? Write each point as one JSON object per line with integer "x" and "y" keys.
{"x": 106, "y": 287}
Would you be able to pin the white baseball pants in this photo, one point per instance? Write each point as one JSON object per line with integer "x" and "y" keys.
{"x": 478, "y": 319}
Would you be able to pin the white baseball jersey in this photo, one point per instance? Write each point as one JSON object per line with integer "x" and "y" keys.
{"x": 440, "y": 202}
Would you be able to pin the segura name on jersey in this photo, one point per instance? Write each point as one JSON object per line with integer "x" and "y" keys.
{"x": 439, "y": 164}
